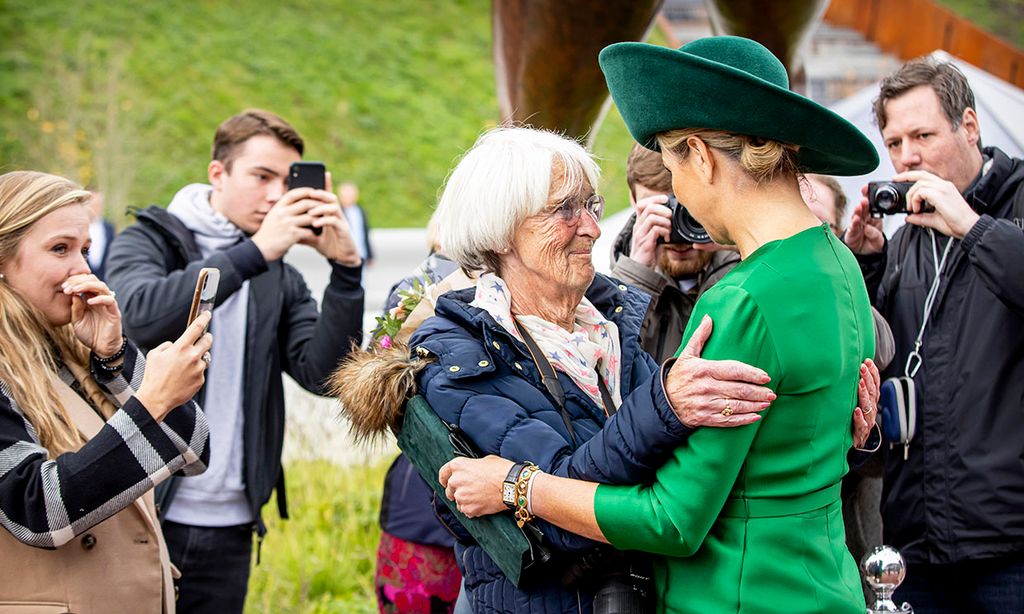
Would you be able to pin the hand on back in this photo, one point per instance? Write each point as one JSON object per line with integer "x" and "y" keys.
{"x": 715, "y": 392}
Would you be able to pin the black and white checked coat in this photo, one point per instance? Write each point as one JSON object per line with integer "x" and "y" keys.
{"x": 46, "y": 503}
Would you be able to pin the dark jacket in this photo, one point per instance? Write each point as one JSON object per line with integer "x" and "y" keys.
{"x": 485, "y": 382}
{"x": 153, "y": 266}
{"x": 960, "y": 493}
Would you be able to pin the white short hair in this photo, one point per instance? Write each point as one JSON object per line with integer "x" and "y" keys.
{"x": 502, "y": 180}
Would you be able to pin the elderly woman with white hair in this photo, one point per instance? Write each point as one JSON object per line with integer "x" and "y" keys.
{"x": 541, "y": 360}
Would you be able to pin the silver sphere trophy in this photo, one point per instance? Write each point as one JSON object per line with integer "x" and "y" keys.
{"x": 884, "y": 571}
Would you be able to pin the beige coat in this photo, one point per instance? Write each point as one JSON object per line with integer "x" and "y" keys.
{"x": 119, "y": 565}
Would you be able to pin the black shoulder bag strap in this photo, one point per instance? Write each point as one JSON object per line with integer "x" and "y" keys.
{"x": 547, "y": 377}
{"x": 550, "y": 380}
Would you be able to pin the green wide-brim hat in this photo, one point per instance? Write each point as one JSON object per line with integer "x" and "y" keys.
{"x": 733, "y": 84}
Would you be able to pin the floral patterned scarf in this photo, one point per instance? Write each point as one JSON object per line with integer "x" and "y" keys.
{"x": 591, "y": 347}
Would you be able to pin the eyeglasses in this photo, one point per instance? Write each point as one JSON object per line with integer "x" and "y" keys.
{"x": 570, "y": 209}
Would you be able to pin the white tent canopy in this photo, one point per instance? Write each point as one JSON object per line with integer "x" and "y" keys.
{"x": 1000, "y": 107}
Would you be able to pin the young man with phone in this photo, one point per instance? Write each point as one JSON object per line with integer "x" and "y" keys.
{"x": 266, "y": 322}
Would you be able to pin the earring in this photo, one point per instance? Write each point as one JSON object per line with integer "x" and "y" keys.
{"x": 2, "y": 277}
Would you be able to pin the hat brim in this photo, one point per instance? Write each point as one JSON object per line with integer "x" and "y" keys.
{"x": 657, "y": 89}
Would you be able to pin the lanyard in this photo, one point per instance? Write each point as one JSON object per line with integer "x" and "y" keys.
{"x": 914, "y": 360}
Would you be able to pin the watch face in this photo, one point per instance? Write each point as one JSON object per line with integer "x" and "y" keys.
{"x": 508, "y": 492}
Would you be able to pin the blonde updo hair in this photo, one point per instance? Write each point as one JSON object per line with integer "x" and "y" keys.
{"x": 30, "y": 348}
{"x": 763, "y": 160}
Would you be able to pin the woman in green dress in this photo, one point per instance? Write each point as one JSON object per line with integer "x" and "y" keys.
{"x": 745, "y": 519}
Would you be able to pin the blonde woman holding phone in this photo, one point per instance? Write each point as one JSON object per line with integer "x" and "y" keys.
{"x": 87, "y": 425}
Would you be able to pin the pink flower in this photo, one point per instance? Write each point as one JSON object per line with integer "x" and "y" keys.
{"x": 385, "y": 342}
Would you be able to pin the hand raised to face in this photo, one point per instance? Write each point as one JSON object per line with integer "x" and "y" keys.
{"x": 95, "y": 316}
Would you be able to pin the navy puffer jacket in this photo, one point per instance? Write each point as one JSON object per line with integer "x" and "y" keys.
{"x": 485, "y": 382}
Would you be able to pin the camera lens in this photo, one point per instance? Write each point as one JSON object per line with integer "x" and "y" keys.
{"x": 691, "y": 229}
{"x": 887, "y": 197}
{"x": 685, "y": 228}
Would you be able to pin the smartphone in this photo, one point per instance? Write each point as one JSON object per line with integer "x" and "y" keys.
{"x": 205, "y": 293}
{"x": 310, "y": 174}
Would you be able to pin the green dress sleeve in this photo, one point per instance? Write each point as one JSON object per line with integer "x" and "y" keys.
{"x": 673, "y": 515}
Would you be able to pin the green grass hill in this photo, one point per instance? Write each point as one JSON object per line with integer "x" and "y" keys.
{"x": 125, "y": 96}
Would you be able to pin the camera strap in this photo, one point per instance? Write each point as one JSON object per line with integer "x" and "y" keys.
{"x": 914, "y": 360}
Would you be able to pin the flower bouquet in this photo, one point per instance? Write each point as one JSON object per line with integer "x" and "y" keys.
{"x": 390, "y": 323}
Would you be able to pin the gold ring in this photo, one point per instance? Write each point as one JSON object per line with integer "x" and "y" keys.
{"x": 727, "y": 411}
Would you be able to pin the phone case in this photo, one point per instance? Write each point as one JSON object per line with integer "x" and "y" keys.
{"x": 205, "y": 294}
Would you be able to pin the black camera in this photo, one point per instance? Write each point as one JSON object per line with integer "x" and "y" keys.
{"x": 685, "y": 227}
{"x": 889, "y": 197}
{"x": 621, "y": 582}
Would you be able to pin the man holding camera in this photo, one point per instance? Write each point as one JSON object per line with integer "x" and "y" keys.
{"x": 949, "y": 283}
{"x": 266, "y": 323}
{"x": 673, "y": 274}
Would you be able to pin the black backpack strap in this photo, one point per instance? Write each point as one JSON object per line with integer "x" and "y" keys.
{"x": 548, "y": 377}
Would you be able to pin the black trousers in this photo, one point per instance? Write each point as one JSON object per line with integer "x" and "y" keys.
{"x": 985, "y": 586}
{"x": 214, "y": 564}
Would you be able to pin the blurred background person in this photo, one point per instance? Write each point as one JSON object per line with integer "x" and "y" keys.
{"x": 102, "y": 233}
{"x": 416, "y": 569}
{"x": 87, "y": 425}
{"x": 348, "y": 196}
{"x": 826, "y": 200}
{"x": 674, "y": 275}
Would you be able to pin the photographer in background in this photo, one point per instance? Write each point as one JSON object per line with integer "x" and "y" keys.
{"x": 950, "y": 285}
{"x": 673, "y": 274}
{"x": 266, "y": 322}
